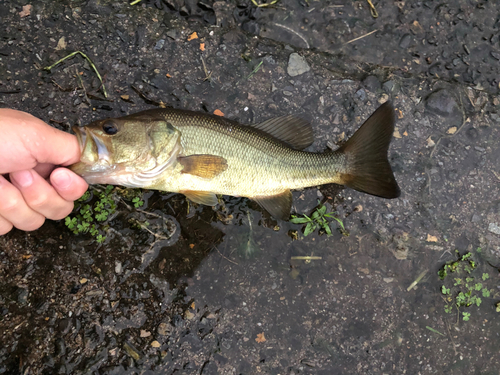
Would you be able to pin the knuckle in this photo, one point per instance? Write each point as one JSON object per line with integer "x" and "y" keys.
{"x": 38, "y": 201}
{"x": 10, "y": 202}
{"x": 33, "y": 224}
{"x": 62, "y": 212}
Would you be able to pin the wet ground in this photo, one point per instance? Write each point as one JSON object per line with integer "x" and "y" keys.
{"x": 218, "y": 291}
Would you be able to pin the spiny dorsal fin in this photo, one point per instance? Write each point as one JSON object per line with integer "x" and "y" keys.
{"x": 201, "y": 197}
{"x": 206, "y": 166}
{"x": 292, "y": 130}
{"x": 278, "y": 206}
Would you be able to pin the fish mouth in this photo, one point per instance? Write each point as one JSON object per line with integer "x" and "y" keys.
{"x": 81, "y": 136}
{"x": 92, "y": 148}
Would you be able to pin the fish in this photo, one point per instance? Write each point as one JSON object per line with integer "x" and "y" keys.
{"x": 201, "y": 155}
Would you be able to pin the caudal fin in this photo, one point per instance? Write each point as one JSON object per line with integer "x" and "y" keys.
{"x": 368, "y": 169}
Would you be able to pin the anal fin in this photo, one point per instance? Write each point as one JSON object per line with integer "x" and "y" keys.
{"x": 278, "y": 206}
{"x": 201, "y": 197}
{"x": 206, "y": 166}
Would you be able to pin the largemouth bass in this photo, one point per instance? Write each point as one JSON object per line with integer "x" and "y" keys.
{"x": 201, "y": 155}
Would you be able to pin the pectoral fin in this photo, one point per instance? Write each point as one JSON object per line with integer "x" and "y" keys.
{"x": 206, "y": 166}
{"x": 201, "y": 197}
{"x": 278, "y": 206}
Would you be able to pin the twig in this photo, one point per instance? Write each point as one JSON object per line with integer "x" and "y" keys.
{"x": 135, "y": 2}
{"x": 373, "y": 10}
{"x": 83, "y": 86}
{"x": 229, "y": 260}
{"x": 293, "y": 32}
{"x": 362, "y": 36}
{"x": 264, "y": 4}
{"x": 148, "y": 99}
{"x": 306, "y": 258}
{"x": 417, "y": 280}
{"x": 89, "y": 61}
{"x": 208, "y": 76}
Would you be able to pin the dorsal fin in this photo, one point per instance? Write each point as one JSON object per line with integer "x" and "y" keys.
{"x": 294, "y": 131}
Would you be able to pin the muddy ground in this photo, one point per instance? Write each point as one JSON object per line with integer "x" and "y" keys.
{"x": 217, "y": 291}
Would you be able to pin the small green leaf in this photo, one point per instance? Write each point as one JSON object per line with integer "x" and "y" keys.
{"x": 466, "y": 316}
{"x": 485, "y": 276}
{"x": 321, "y": 210}
{"x": 299, "y": 220}
{"x": 309, "y": 229}
{"x": 486, "y": 293}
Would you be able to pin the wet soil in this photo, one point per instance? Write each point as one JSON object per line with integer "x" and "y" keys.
{"x": 217, "y": 291}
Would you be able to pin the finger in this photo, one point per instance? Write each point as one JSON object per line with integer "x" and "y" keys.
{"x": 44, "y": 169}
{"x": 40, "y": 196}
{"x": 14, "y": 209}
{"x": 31, "y": 144}
{"x": 68, "y": 184}
{"x": 5, "y": 226}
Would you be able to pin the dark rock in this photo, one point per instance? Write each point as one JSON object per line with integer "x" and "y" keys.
{"x": 173, "y": 34}
{"x": 172, "y": 4}
{"x": 361, "y": 95}
{"x": 442, "y": 103}
{"x": 472, "y": 133}
{"x": 210, "y": 368}
{"x": 372, "y": 84}
{"x": 251, "y": 27}
{"x": 405, "y": 41}
{"x": 389, "y": 86}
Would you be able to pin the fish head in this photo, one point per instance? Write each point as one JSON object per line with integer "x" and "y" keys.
{"x": 126, "y": 151}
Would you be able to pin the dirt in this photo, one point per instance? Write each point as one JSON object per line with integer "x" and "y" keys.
{"x": 224, "y": 295}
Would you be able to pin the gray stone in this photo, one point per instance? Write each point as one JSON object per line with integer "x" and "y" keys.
{"x": 372, "y": 83}
{"x": 361, "y": 95}
{"x": 173, "y": 34}
{"x": 159, "y": 44}
{"x": 405, "y": 41}
{"x": 494, "y": 228}
{"x": 442, "y": 103}
{"x": 388, "y": 86}
{"x": 297, "y": 65}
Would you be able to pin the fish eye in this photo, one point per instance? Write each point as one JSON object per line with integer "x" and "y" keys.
{"x": 110, "y": 128}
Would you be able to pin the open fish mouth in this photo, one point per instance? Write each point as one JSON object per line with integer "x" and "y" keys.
{"x": 92, "y": 148}
{"x": 81, "y": 136}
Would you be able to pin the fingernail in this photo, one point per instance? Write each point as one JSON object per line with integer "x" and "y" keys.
{"x": 23, "y": 178}
{"x": 61, "y": 179}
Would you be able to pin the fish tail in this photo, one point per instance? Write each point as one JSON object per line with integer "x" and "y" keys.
{"x": 367, "y": 167}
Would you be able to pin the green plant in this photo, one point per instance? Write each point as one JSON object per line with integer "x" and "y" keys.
{"x": 137, "y": 202}
{"x": 89, "y": 216}
{"x": 318, "y": 220}
{"x": 462, "y": 290}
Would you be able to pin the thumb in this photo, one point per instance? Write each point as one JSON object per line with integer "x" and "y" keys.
{"x": 44, "y": 143}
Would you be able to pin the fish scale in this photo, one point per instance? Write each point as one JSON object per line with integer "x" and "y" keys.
{"x": 257, "y": 164}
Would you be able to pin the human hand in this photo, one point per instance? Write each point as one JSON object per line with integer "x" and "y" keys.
{"x": 29, "y": 151}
